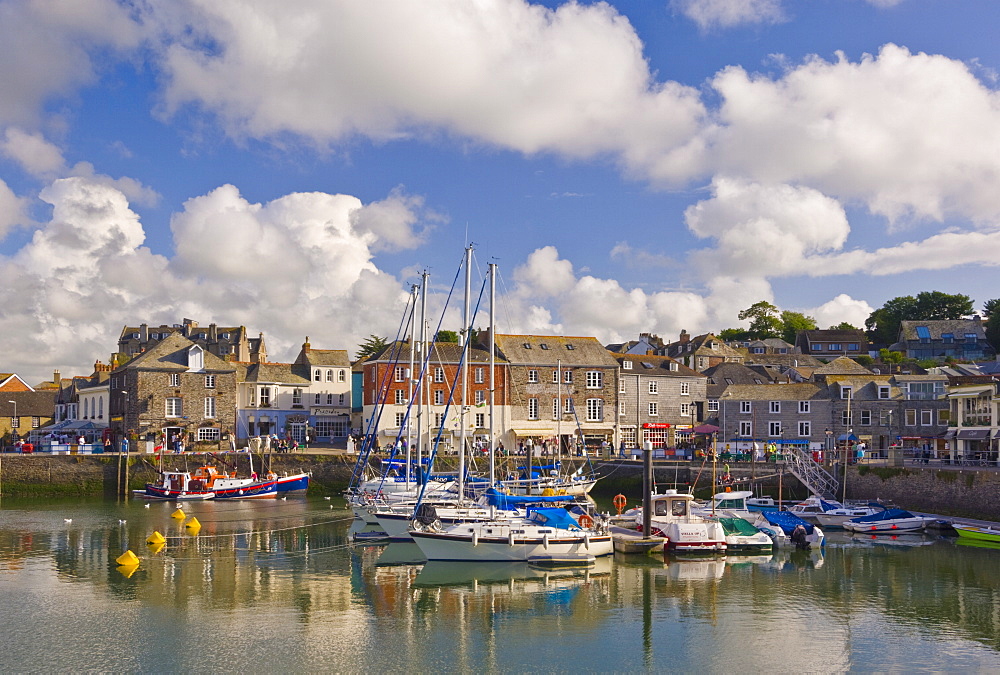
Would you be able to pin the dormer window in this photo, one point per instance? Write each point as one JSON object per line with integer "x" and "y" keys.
{"x": 626, "y": 365}
{"x": 543, "y": 346}
{"x": 318, "y": 375}
{"x": 845, "y": 392}
{"x": 570, "y": 347}
{"x": 527, "y": 345}
{"x": 196, "y": 358}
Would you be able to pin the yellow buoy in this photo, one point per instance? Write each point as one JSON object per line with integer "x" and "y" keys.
{"x": 127, "y": 558}
{"x": 127, "y": 570}
{"x": 155, "y": 548}
{"x": 178, "y": 514}
{"x": 156, "y": 538}
{"x": 193, "y": 524}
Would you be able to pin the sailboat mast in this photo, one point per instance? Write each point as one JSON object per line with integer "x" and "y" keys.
{"x": 409, "y": 387}
{"x": 493, "y": 295}
{"x": 465, "y": 335}
{"x": 423, "y": 412}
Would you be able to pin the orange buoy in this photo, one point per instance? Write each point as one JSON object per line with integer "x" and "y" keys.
{"x": 619, "y": 502}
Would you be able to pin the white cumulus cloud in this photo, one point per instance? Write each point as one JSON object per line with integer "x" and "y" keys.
{"x": 708, "y": 14}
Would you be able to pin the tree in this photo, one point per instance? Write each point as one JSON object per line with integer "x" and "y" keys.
{"x": 865, "y": 360}
{"x": 883, "y": 324}
{"x": 990, "y": 307}
{"x": 843, "y": 325}
{"x": 447, "y": 336}
{"x": 764, "y": 321}
{"x": 733, "y": 335}
{"x": 993, "y": 331}
{"x": 792, "y": 323}
{"x": 893, "y": 358}
{"x": 372, "y": 345}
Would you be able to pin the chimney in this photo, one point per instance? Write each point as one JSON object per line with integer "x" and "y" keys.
{"x": 143, "y": 333}
{"x": 213, "y": 332}
{"x": 685, "y": 338}
{"x": 56, "y": 377}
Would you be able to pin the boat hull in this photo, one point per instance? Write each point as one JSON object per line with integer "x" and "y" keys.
{"x": 887, "y": 526}
{"x": 977, "y": 533}
{"x": 263, "y": 490}
{"x": 447, "y": 546}
{"x": 293, "y": 483}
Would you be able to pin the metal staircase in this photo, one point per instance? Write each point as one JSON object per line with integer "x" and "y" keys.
{"x": 811, "y": 474}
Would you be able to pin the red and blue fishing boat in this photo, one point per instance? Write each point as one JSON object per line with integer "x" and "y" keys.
{"x": 208, "y": 483}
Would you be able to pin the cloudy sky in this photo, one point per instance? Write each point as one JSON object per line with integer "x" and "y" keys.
{"x": 635, "y": 165}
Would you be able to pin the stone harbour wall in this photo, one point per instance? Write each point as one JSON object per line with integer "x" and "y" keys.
{"x": 950, "y": 492}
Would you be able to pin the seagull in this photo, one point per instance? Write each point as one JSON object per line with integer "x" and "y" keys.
{"x": 284, "y": 499}
{"x": 331, "y": 506}
{"x": 146, "y": 506}
{"x": 121, "y": 522}
{"x": 68, "y": 520}
{"x": 327, "y": 498}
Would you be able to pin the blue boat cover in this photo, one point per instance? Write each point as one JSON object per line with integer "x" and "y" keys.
{"x": 554, "y": 517}
{"x": 786, "y": 521}
{"x": 827, "y": 506}
{"x": 511, "y": 502}
{"x": 888, "y": 514}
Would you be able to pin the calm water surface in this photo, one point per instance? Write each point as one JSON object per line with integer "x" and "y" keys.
{"x": 278, "y": 587}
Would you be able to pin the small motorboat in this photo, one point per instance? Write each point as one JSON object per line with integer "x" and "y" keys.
{"x": 836, "y": 517}
{"x": 787, "y": 523}
{"x": 890, "y": 521}
{"x": 976, "y": 533}
{"x": 208, "y": 483}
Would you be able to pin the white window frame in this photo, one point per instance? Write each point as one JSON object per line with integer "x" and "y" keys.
{"x": 805, "y": 407}
{"x": 210, "y": 407}
{"x": 774, "y": 407}
{"x": 479, "y": 375}
{"x": 438, "y": 374}
{"x": 399, "y": 374}
{"x": 174, "y": 379}
{"x": 296, "y": 396}
{"x": 713, "y": 405}
{"x": 595, "y": 409}
{"x": 774, "y": 428}
{"x": 685, "y": 410}
{"x": 805, "y": 428}
{"x": 685, "y": 388}
{"x": 653, "y": 409}
{"x": 653, "y": 387}
{"x": 532, "y": 376}
{"x": 208, "y": 434}
{"x": 438, "y": 397}
{"x": 746, "y": 429}
{"x": 846, "y": 392}
{"x": 210, "y": 382}
{"x": 926, "y": 417}
{"x": 532, "y": 408}
{"x": 595, "y": 379}
{"x": 746, "y": 407}
{"x": 173, "y": 406}
{"x": 866, "y": 418}
{"x": 884, "y": 392}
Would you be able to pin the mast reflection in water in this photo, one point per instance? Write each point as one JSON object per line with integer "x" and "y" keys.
{"x": 279, "y": 586}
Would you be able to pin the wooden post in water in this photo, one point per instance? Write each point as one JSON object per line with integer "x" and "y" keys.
{"x": 647, "y": 487}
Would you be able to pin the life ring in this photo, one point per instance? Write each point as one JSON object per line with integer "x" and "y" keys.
{"x": 271, "y": 475}
{"x": 586, "y": 521}
{"x": 619, "y": 502}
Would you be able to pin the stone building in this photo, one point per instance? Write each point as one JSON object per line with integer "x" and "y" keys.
{"x": 659, "y": 401}
{"x": 174, "y": 389}
{"x": 226, "y": 342}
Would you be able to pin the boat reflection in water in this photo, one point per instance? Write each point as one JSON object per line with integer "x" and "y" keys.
{"x": 525, "y": 577}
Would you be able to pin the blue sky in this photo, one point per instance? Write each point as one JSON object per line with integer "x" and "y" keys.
{"x": 641, "y": 165}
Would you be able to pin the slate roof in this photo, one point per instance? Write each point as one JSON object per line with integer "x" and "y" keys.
{"x": 284, "y": 373}
{"x": 29, "y": 403}
{"x": 661, "y": 366}
{"x": 842, "y": 365}
{"x": 442, "y": 352}
{"x": 805, "y": 391}
{"x": 548, "y": 350}
{"x": 171, "y": 354}
{"x": 957, "y": 327}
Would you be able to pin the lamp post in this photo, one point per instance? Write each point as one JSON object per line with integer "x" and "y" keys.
{"x": 14, "y": 422}
{"x": 827, "y": 447}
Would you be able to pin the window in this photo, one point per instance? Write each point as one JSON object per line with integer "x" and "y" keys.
{"x": 317, "y": 400}
{"x": 713, "y": 405}
{"x": 568, "y": 377}
{"x": 911, "y": 417}
{"x": 595, "y": 379}
{"x": 210, "y": 382}
{"x": 744, "y": 406}
{"x": 943, "y": 416}
{"x": 883, "y": 391}
{"x": 478, "y": 376}
{"x": 210, "y": 406}
{"x": 318, "y": 375}
{"x": 532, "y": 376}
{"x": 438, "y": 397}
{"x": 866, "y": 418}
{"x": 340, "y": 398}
{"x": 621, "y": 386}
{"x": 970, "y": 338}
{"x": 653, "y": 409}
{"x": 685, "y": 409}
{"x": 746, "y": 429}
{"x": 621, "y": 408}
{"x": 35, "y": 422}
{"x": 265, "y": 396}
{"x": 438, "y": 420}
{"x": 653, "y": 387}
{"x": 543, "y": 346}
{"x": 626, "y": 365}
{"x": 400, "y": 397}
{"x": 923, "y": 334}
{"x": 774, "y": 428}
{"x": 805, "y": 429}
{"x": 173, "y": 407}
{"x": 674, "y": 366}
{"x": 399, "y": 374}
{"x": 480, "y": 420}
{"x": 439, "y": 374}
{"x": 685, "y": 388}
{"x": 341, "y": 375}
{"x": 846, "y": 418}
{"x": 296, "y": 397}
{"x": 948, "y": 338}
{"x": 15, "y": 422}
{"x": 595, "y": 410}
{"x": 555, "y": 408}
{"x": 758, "y": 350}
{"x": 834, "y": 347}
{"x": 329, "y": 376}
{"x": 532, "y": 408}
{"x": 926, "y": 418}
{"x": 774, "y": 407}
{"x": 175, "y": 379}
{"x": 804, "y": 407}
{"x": 845, "y": 391}
{"x": 400, "y": 419}
{"x": 480, "y": 396}
{"x": 555, "y": 376}
{"x": 852, "y": 346}
{"x": 329, "y": 399}
{"x": 208, "y": 434}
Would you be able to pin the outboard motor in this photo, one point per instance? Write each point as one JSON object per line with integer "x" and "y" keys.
{"x": 799, "y": 538}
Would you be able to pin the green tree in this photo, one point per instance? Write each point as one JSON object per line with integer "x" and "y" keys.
{"x": 993, "y": 330}
{"x": 733, "y": 335}
{"x": 447, "y": 336}
{"x": 865, "y": 360}
{"x": 792, "y": 323}
{"x": 883, "y": 324}
{"x": 843, "y": 325}
{"x": 990, "y": 307}
{"x": 373, "y": 344}
{"x": 886, "y": 356}
{"x": 764, "y": 320}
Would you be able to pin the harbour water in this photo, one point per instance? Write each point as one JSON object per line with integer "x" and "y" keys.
{"x": 278, "y": 586}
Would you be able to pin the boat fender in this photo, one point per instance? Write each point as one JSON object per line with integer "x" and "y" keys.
{"x": 586, "y": 541}
{"x": 475, "y": 538}
{"x": 510, "y": 538}
{"x": 545, "y": 542}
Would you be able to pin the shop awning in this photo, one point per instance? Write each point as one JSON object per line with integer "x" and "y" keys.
{"x": 706, "y": 429}
{"x": 847, "y": 437}
{"x": 949, "y": 434}
{"x": 973, "y": 434}
{"x": 524, "y": 433}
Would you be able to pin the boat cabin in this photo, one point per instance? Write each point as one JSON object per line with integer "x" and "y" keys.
{"x": 671, "y": 505}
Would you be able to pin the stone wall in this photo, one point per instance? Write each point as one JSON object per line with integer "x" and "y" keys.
{"x": 947, "y": 492}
